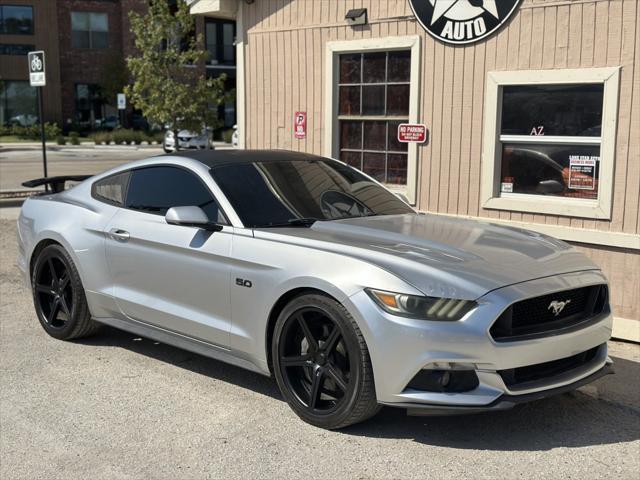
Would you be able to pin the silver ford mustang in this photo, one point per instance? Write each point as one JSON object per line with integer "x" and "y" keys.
{"x": 306, "y": 269}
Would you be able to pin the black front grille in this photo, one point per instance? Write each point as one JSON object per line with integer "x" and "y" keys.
{"x": 522, "y": 377}
{"x": 548, "y": 314}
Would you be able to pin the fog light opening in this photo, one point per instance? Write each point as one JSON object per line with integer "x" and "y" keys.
{"x": 454, "y": 379}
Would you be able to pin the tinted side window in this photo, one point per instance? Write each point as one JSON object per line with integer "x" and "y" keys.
{"x": 157, "y": 189}
{"x": 111, "y": 189}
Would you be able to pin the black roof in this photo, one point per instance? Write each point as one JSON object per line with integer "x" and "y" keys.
{"x": 215, "y": 158}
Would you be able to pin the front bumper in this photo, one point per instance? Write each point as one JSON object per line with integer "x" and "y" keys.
{"x": 401, "y": 347}
{"x": 506, "y": 401}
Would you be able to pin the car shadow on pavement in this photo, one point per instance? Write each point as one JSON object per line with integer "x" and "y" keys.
{"x": 605, "y": 412}
{"x": 111, "y": 337}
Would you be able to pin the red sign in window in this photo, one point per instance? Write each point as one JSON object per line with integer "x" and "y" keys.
{"x": 412, "y": 132}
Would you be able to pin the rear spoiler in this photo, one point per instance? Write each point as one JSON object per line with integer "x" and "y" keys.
{"x": 56, "y": 183}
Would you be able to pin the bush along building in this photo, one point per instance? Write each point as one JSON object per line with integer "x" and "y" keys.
{"x": 522, "y": 113}
{"x": 86, "y": 43}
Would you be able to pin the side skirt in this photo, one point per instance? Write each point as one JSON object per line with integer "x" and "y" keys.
{"x": 180, "y": 341}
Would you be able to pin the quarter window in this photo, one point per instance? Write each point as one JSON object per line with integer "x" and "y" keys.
{"x": 89, "y": 30}
{"x": 16, "y": 20}
{"x": 156, "y": 189}
{"x": 373, "y": 99}
{"x": 112, "y": 189}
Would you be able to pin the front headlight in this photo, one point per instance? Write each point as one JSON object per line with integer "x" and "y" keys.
{"x": 426, "y": 308}
{"x": 169, "y": 134}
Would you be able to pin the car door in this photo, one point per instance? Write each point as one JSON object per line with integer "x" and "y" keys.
{"x": 171, "y": 276}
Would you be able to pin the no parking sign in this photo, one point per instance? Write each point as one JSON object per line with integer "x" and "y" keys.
{"x": 300, "y": 125}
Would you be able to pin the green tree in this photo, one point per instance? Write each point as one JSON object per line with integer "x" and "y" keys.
{"x": 168, "y": 84}
{"x": 115, "y": 76}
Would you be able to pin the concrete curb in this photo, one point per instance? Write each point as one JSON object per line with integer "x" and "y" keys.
{"x": 53, "y": 147}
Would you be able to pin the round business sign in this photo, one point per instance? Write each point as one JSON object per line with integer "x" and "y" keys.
{"x": 462, "y": 21}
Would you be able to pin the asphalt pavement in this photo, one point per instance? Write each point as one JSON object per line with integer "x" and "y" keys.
{"x": 19, "y": 163}
{"x": 119, "y": 406}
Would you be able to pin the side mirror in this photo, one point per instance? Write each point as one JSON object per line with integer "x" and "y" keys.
{"x": 549, "y": 187}
{"x": 191, "y": 217}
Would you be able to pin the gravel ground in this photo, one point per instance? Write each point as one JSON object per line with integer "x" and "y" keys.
{"x": 117, "y": 406}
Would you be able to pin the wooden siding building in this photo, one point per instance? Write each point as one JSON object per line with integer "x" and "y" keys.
{"x": 569, "y": 61}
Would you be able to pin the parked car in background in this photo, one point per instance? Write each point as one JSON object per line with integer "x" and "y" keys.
{"x": 24, "y": 120}
{"x": 139, "y": 122}
{"x": 187, "y": 140}
{"x": 108, "y": 123}
{"x": 306, "y": 269}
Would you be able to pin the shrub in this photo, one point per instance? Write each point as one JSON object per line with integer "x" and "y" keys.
{"x": 32, "y": 132}
{"x": 120, "y": 136}
{"x": 101, "y": 138}
{"x": 51, "y": 131}
{"x": 60, "y": 140}
{"x": 74, "y": 138}
{"x": 227, "y": 134}
{"x": 157, "y": 137}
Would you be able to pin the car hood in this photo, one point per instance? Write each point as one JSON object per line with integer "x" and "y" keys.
{"x": 445, "y": 256}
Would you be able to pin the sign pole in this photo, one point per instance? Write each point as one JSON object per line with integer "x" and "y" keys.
{"x": 42, "y": 135}
{"x": 38, "y": 79}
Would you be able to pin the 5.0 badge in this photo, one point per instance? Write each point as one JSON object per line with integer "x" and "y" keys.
{"x": 462, "y": 21}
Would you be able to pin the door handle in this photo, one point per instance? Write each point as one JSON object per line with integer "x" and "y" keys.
{"x": 119, "y": 235}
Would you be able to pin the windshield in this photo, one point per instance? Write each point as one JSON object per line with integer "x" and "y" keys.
{"x": 298, "y": 192}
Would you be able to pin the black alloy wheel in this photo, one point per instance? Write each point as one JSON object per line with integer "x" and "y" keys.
{"x": 58, "y": 295}
{"x": 315, "y": 362}
{"x": 54, "y": 293}
{"x": 322, "y": 364}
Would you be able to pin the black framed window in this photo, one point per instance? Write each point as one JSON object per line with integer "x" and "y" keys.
{"x": 155, "y": 190}
{"x": 373, "y": 99}
{"x": 18, "y": 103}
{"x": 550, "y": 140}
{"x": 16, "y": 20}
{"x": 89, "y": 30}
{"x": 219, "y": 38}
{"x": 15, "y": 48}
{"x": 89, "y": 104}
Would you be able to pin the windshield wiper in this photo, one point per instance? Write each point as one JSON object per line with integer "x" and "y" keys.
{"x": 293, "y": 222}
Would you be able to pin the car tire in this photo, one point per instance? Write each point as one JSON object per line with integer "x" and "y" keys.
{"x": 166, "y": 150}
{"x": 58, "y": 295}
{"x": 327, "y": 381}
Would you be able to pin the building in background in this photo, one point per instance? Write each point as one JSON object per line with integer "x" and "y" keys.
{"x": 532, "y": 109}
{"x": 86, "y": 42}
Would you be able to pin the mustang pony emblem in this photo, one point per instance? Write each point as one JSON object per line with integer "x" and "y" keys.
{"x": 558, "y": 306}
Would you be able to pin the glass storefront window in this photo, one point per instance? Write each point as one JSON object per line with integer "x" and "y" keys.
{"x": 543, "y": 169}
{"x": 89, "y": 104}
{"x": 373, "y": 99}
{"x": 18, "y": 103}
{"x": 550, "y": 140}
{"x": 568, "y": 110}
{"x": 16, "y": 20}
